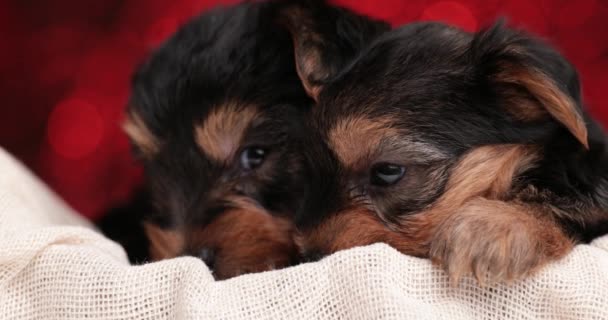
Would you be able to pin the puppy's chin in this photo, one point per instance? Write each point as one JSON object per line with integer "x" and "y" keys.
{"x": 238, "y": 241}
{"x": 245, "y": 241}
{"x": 352, "y": 228}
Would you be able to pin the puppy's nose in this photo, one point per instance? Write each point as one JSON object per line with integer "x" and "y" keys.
{"x": 312, "y": 256}
{"x": 208, "y": 257}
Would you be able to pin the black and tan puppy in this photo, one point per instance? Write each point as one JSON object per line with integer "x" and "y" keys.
{"x": 212, "y": 118}
{"x": 215, "y": 117}
{"x": 470, "y": 149}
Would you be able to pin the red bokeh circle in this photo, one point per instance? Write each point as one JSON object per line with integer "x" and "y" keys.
{"x": 75, "y": 128}
{"x": 451, "y": 12}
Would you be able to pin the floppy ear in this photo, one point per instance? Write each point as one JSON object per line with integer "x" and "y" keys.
{"x": 325, "y": 39}
{"x": 533, "y": 81}
{"x": 164, "y": 243}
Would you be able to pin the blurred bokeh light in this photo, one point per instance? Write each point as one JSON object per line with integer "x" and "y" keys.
{"x": 65, "y": 68}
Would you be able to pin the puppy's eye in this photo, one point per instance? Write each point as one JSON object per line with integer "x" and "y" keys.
{"x": 252, "y": 157}
{"x": 386, "y": 174}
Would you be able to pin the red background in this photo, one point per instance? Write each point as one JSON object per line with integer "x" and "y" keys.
{"x": 66, "y": 64}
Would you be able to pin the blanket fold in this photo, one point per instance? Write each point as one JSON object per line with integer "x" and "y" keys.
{"x": 54, "y": 265}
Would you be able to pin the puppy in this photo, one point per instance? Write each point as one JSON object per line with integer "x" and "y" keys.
{"x": 470, "y": 149}
{"x": 216, "y": 119}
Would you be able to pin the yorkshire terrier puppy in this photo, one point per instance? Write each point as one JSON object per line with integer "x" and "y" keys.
{"x": 470, "y": 149}
{"x": 215, "y": 118}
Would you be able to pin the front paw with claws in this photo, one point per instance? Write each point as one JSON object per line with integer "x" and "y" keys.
{"x": 496, "y": 241}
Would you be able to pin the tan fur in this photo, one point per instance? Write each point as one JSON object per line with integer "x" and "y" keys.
{"x": 522, "y": 106}
{"x": 220, "y": 135}
{"x": 355, "y": 139}
{"x": 307, "y": 44}
{"x": 550, "y": 98}
{"x": 307, "y": 67}
{"x": 140, "y": 135}
{"x": 477, "y": 230}
{"x": 245, "y": 241}
{"x": 164, "y": 243}
{"x": 486, "y": 171}
{"x": 355, "y": 227}
{"x": 497, "y": 241}
{"x": 473, "y": 227}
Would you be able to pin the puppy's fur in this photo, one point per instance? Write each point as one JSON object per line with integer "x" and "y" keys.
{"x": 215, "y": 118}
{"x": 221, "y": 89}
{"x": 471, "y": 149}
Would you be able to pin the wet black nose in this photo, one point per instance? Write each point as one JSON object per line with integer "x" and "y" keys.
{"x": 312, "y": 256}
{"x": 208, "y": 257}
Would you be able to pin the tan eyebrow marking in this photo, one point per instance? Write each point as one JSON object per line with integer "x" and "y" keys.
{"x": 139, "y": 133}
{"x": 220, "y": 135}
{"x": 356, "y": 139}
{"x": 164, "y": 243}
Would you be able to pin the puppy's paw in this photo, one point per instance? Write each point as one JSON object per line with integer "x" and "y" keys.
{"x": 496, "y": 242}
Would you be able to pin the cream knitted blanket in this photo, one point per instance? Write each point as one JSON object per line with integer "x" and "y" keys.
{"x": 53, "y": 265}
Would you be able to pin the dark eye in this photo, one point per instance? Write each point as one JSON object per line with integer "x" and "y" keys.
{"x": 386, "y": 174}
{"x": 252, "y": 157}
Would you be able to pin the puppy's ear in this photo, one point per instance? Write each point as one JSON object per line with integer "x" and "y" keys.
{"x": 532, "y": 80}
{"x": 164, "y": 243}
{"x": 325, "y": 39}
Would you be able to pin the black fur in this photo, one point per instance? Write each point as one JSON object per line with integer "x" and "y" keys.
{"x": 437, "y": 84}
{"x": 236, "y": 53}
{"x": 241, "y": 53}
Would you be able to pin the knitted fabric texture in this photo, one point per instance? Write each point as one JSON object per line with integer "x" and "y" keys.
{"x": 54, "y": 265}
